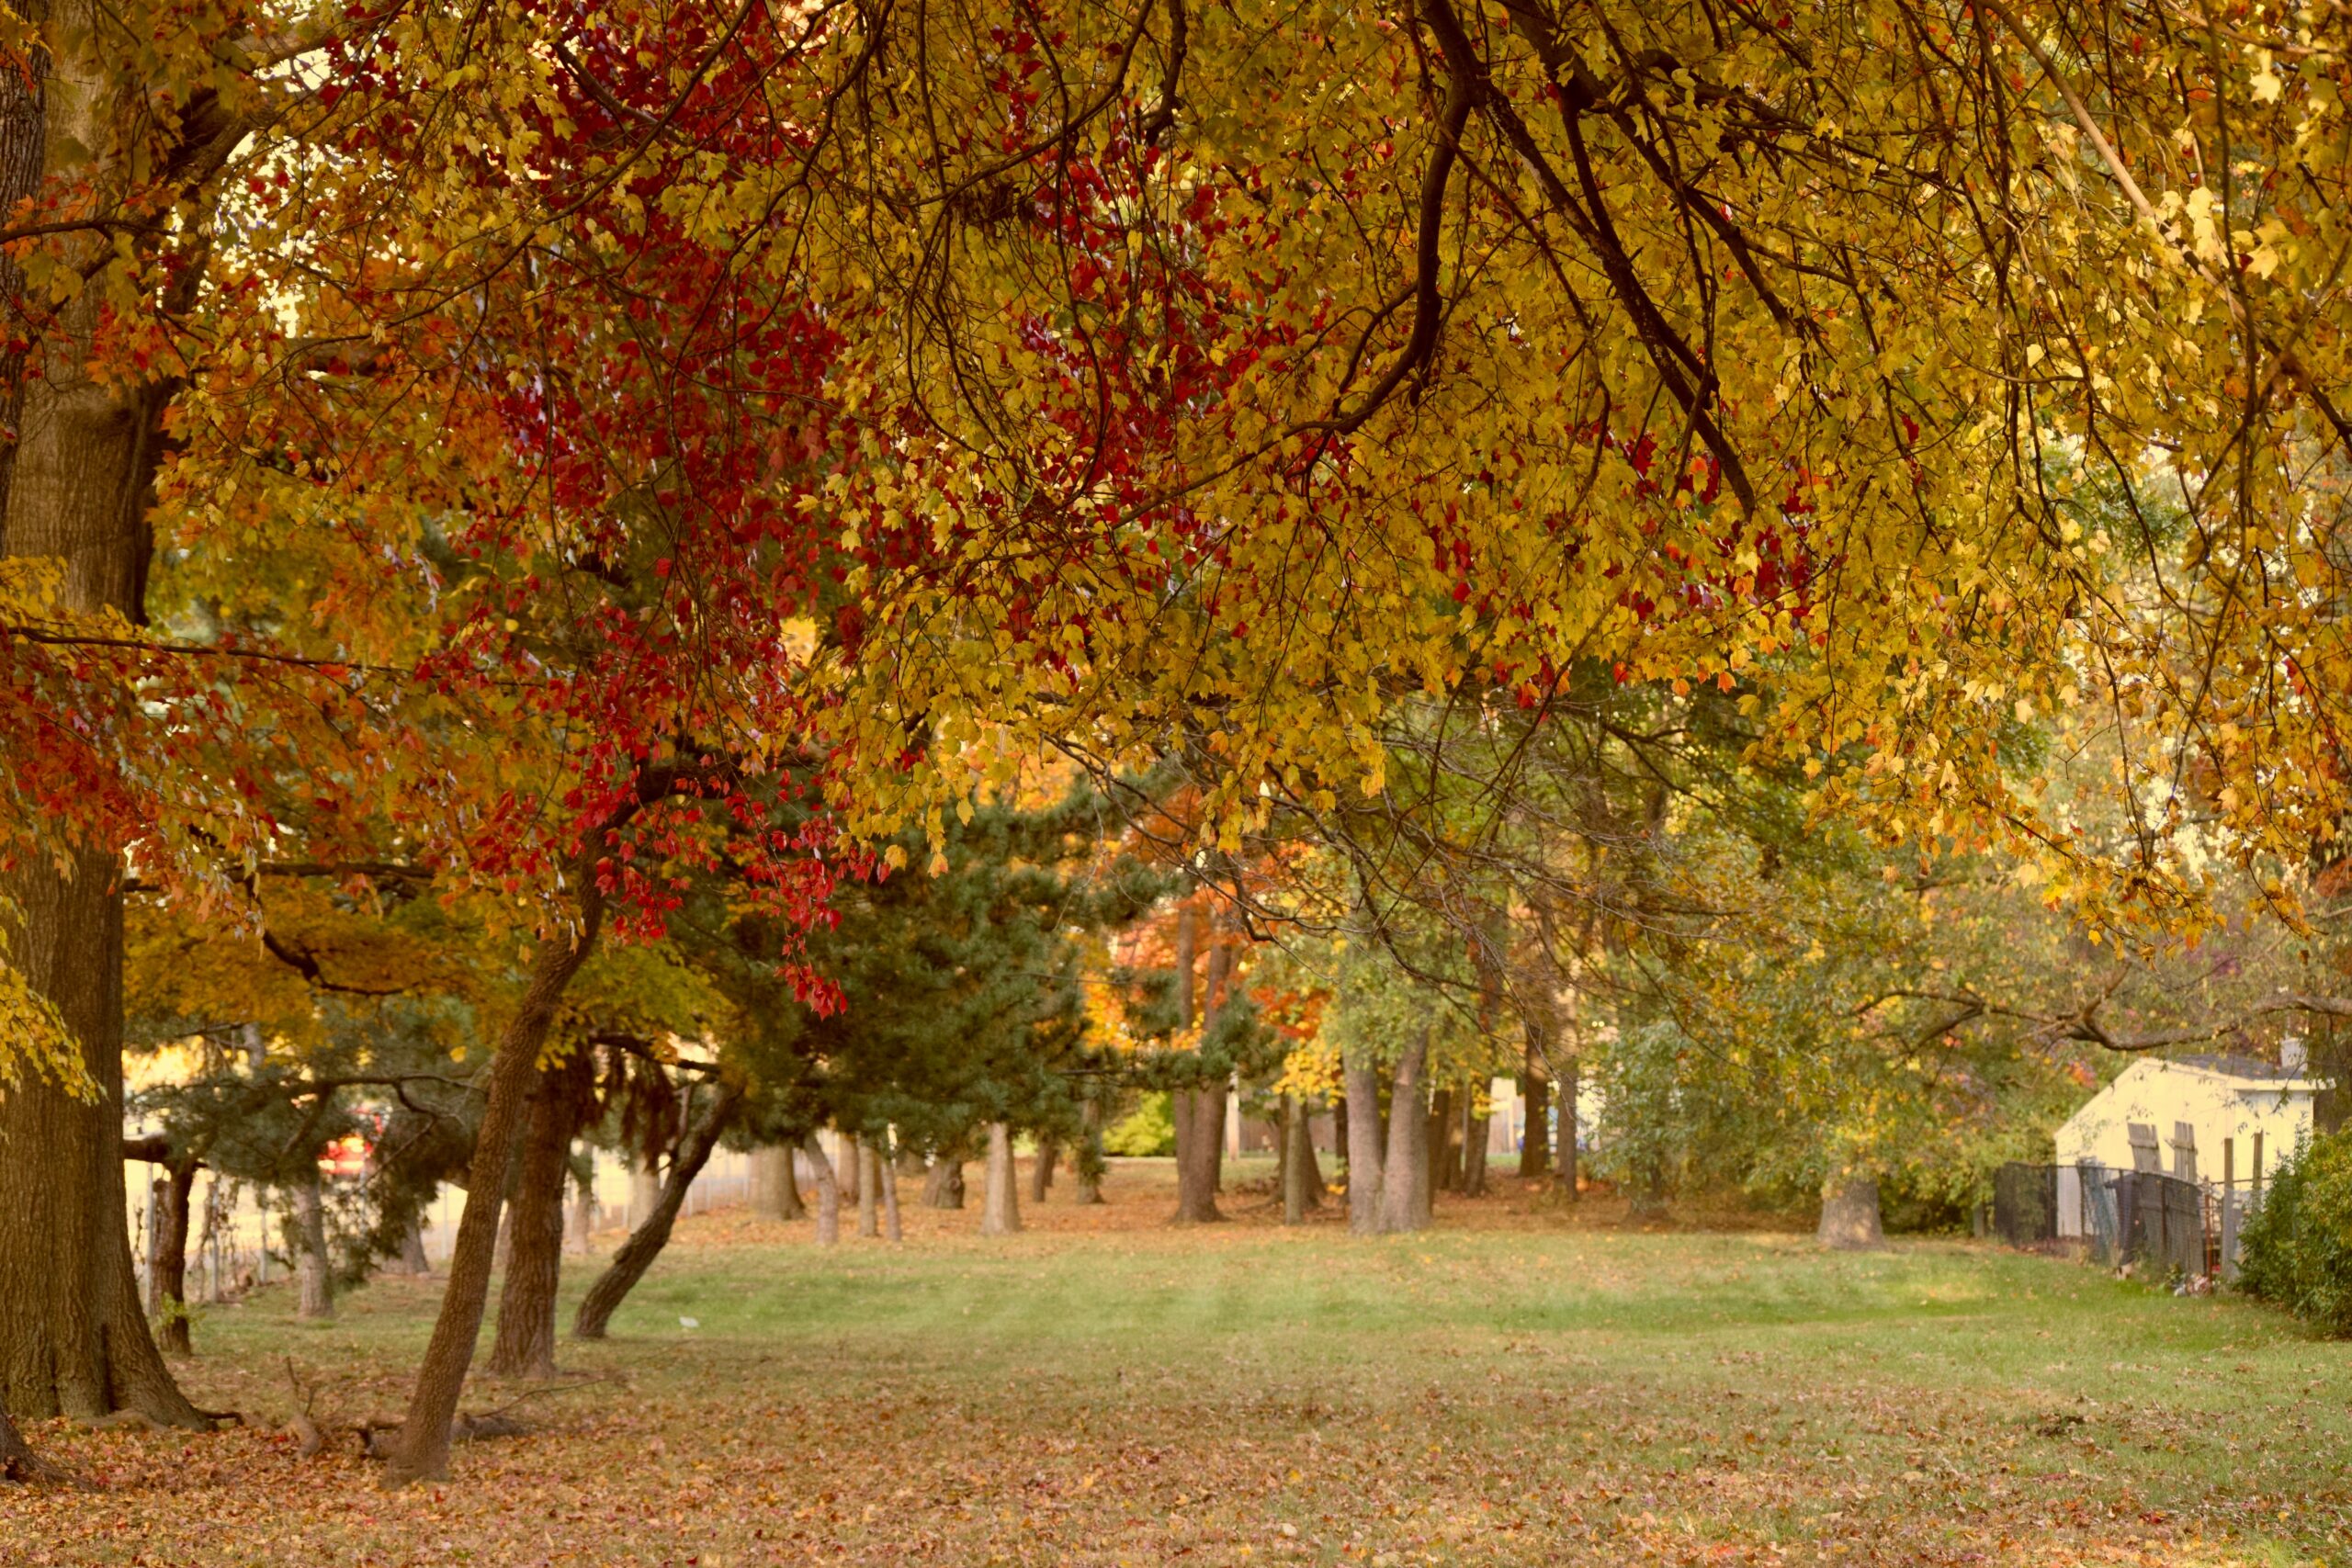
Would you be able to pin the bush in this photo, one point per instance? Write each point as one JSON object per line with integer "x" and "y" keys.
{"x": 1150, "y": 1130}
{"x": 2297, "y": 1252}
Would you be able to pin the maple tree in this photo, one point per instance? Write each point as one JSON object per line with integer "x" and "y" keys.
{"x": 439, "y": 426}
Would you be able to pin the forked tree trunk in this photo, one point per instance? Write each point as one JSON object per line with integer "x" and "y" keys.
{"x": 1000, "y": 1202}
{"x": 1041, "y": 1171}
{"x": 421, "y": 1452}
{"x": 869, "y": 1188}
{"x": 1849, "y": 1213}
{"x": 1405, "y": 1189}
{"x": 775, "y": 1189}
{"x": 1535, "y": 1150}
{"x": 524, "y": 1345}
{"x": 314, "y": 1270}
{"x": 1365, "y": 1179}
{"x": 829, "y": 1190}
{"x": 167, "y": 1280}
{"x": 646, "y": 1242}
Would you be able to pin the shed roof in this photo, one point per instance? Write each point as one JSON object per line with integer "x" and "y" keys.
{"x": 2234, "y": 1065}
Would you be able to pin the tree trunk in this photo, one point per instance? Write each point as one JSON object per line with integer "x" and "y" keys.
{"x": 888, "y": 1175}
{"x": 1315, "y": 1187}
{"x": 412, "y": 1260}
{"x": 845, "y": 1167}
{"x": 1365, "y": 1179}
{"x": 1088, "y": 1164}
{"x": 1340, "y": 1126}
{"x": 1850, "y": 1217}
{"x": 76, "y": 483}
{"x": 869, "y": 1190}
{"x": 314, "y": 1270}
{"x": 1405, "y": 1189}
{"x": 999, "y": 1204}
{"x": 1041, "y": 1171}
{"x": 1563, "y": 1170}
{"x": 1535, "y": 1151}
{"x": 942, "y": 1188}
{"x": 167, "y": 1279}
{"x": 1477, "y": 1128}
{"x": 524, "y": 1345}
{"x": 829, "y": 1190}
{"x": 17, "y": 1461}
{"x": 580, "y": 1220}
{"x": 421, "y": 1452}
{"x": 1199, "y": 1154}
{"x": 644, "y": 1188}
{"x": 1301, "y": 1186}
{"x": 774, "y": 1186}
{"x": 1444, "y": 1131}
{"x": 646, "y": 1242}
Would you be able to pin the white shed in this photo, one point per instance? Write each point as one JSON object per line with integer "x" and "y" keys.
{"x": 2211, "y": 1118}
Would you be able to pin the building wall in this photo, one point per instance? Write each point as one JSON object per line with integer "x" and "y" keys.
{"x": 2223, "y": 1112}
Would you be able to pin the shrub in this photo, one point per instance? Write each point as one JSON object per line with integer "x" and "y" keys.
{"x": 2297, "y": 1252}
{"x": 1150, "y": 1130}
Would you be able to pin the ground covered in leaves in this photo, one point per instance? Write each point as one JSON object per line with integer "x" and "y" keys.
{"x": 1522, "y": 1386}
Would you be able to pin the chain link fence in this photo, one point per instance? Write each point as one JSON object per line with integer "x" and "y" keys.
{"x": 2163, "y": 1226}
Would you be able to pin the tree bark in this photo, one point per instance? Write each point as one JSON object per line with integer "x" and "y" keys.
{"x": 845, "y": 1167}
{"x": 999, "y": 1204}
{"x": 869, "y": 1190}
{"x": 1535, "y": 1150}
{"x": 314, "y": 1270}
{"x": 775, "y": 1189}
{"x": 646, "y": 1242}
{"x": 887, "y": 1174}
{"x": 1477, "y": 1127}
{"x": 1444, "y": 1130}
{"x": 942, "y": 1188}
{"x": 1041, "y": 1171}
{"x": 412, "y": 1260}
{"x": 524, "y": 1345}
{"x": 167, "y": 1279}
{"x": 1564, "y": 1165}
{"x": 1405, "y": 1189}
{"x": 1301, "y": 1186}
{"x": 1199, "y": 1154}
{"x": 644, "y": 1188}
{"x": 1365, "y": 1177}
{"x": 579, "y": 1220}
{"x": 77, "y": 483}
{"x": 1850, "y": 1214}
{"x": 17, "y": 1461}
{"x": 1088, "y": 1164}
{"x": 421, "y": 1452}
{"x": 829, "y": 1190}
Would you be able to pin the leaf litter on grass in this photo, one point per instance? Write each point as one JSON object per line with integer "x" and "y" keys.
{"x": 1500, "y": 1390}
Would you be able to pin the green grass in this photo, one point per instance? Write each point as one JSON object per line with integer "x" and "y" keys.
{"x": 1110, "y": 1391}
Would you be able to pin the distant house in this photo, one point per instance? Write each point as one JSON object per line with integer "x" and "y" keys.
{"x": 2217, "y": 1120}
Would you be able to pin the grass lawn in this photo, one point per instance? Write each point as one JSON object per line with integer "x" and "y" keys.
{"x": 1519, "y": 1386}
